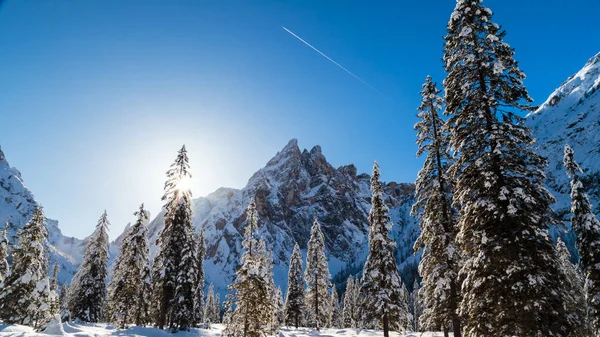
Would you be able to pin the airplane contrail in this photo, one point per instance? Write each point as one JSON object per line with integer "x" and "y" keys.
{"x": 332, "y": 61}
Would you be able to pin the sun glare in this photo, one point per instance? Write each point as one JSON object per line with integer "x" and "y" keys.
{"x": 184, "y": 184}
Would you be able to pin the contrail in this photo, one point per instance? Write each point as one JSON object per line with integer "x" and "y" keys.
{"x": 332, "y": 61}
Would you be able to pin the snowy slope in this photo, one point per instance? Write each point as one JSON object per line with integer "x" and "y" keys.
{"x": 291, "y": 190}
{"x": 101, "y": 330}
{"x": 571, "y": 115}
{"x": 17, "y": 204}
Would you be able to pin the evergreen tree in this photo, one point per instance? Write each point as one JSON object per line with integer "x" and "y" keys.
{"x": 278, "y": 316}
{"x": 253, "y": 307}
{"x": 173, "y": 270}
{"x": 88, "y": 290}
{"x": 335, "y": 317}
{"x": 349, "y": 306}
{"x": 511, "y": 279}
{"x": 587, "y": 227}
{"x": 228, "y": 321}
{"x": 267, "y": 263}
{"x": 294, "y": 296}
{"x": 382, "y": 299}
{"x": 4, "y": 268}
{"x": 63, "y": 300}
{"x": 576, "y": 304}
{"x": 317, "y": 279}
{"x": 217, "y": 308}
{"x": 416, "y": 307}
{"x": 199, "y": 290}
{"x": 25, "y": 294}
{"x": 54, "y": 302}
{"x": 440, "y": 262}
{"x": 209, "y": 305}
{"x": 127, "y": 294}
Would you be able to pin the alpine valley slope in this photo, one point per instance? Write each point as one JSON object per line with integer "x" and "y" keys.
{"x": 17, "y": 204}
{"x": 571, "y": 115}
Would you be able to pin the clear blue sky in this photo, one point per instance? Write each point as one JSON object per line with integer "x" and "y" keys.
{"x": 96, "y": 97}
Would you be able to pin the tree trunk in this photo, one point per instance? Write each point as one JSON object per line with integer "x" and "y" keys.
{"x": 446, "y": 331}
{"x": 297, "y": 320}
{"x": 456, "y": 326}
{"x": 386, "y": 325}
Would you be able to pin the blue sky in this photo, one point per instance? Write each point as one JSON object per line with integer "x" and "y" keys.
{"x": 96, "y": 97}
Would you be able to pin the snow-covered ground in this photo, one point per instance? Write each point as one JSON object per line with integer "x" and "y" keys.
{"x": 98, "y": 330}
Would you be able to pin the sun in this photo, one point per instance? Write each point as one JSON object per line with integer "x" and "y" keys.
{"x": 185, "y": 184}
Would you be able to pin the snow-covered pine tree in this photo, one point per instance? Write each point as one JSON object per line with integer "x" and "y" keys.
{"x": 228, "y": 322}
{"x": 88, "y": 290}
{"x": 63, "y": 299}
{"x": 587, "y": 227}
{"x": 126, "y": 297}
{"x": 4, "y": 267}
{"x": 173, "y": 270}
{"x": 349, "y": 305}
{"x": 416, "y": 306}
{"x": 512, "y": 285}
{"x": 267, "y": 265}
{"x": 55, "y": 302}
{"x": 279, "y": 312}
{"x": 335, "y": 316}
{"x": 576, "y": 305}
{"x": 199, "y": 288}
{"x": 251, "y": 293}
{"x": 209, "y": 304}
{"x": 382, "y": 300}
{"x": 25, "y": 295}
{"x": 217, "y": 308}
{"x": 317, "y": 278}
{"x": 357, "y": 314}
{"x": 440, "y": 262}
{"x": 294, "y": 296}
{"x": 183, "y": 306}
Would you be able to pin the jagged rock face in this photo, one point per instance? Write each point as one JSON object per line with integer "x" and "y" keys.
{"x": 17, "y": 204}
{"x": 293, "y": 189}
{"x": 571, "y": 115}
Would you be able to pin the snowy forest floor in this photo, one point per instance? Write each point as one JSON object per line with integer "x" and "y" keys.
{"x": 97, "y": 330}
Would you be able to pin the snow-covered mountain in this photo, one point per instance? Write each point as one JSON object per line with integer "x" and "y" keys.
{"x": 571, "y": 115}
{"x": 294, "y": 188}
{"x": 17, "y": 204}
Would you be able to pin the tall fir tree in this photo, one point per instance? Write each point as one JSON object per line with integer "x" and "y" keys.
{"x": 294, "y": 296}
{"x": 63, "y": 299}
{"x": 416, "y": 306}
{"x": 4, "y": 267}
{"x": 317, "y": 278}
{"x": 267, "y": 264}
{"x": 587, "y": 227}
{"x": 251, "y": 293}
{"x": 174, "y": 266}
{"x": 209, "y": 305}
{"x": 278, "y": 313}
{"x": 441, "y": 259}
{"x": 217, "y": 308}
{"x": 512, "y": 285}
{"x": 25, "y": 294}
{"x": 199, "y": 288}
{"x": 335, "y": 316}
{"x": 382, "y": 300}
{"x": 87, "y": 295}
{"x": 127, "y": 296}
{"x": 349, "y": 305}
{"x": 576, "y": 305}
